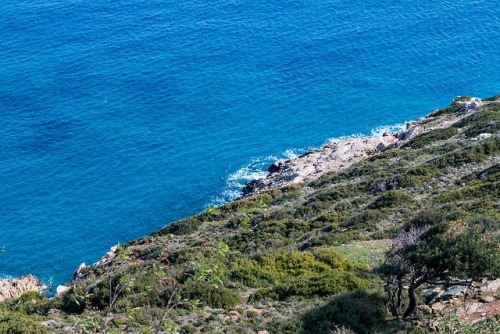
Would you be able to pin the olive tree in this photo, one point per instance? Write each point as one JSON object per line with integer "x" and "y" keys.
{"x": 424, "y": 254}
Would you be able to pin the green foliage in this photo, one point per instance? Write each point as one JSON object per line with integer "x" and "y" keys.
{"x": 360, "y": 311}
{"x": 484, "y": 122}
{"x": 31, "y": 303}
{"x": 19, "y": 323}
{"x": 479, "y": 189}
{"x": 296, "y": 264}
{"x": 458, "y": 250}
{"x": 475, "y": 153}
{"x": 365, "y": 219}
{"x": 210, "y": 294}
{"x": 328, "y": 283}
{"x": 288, "y": 326}
{"x": 454, "y": 108}
{"x": 391, "y": 199}
{"x": 181, "y": 227}
{"x": 431, "y": 137}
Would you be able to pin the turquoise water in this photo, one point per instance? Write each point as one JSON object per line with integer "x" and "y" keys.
{"x": 117, "y": 117}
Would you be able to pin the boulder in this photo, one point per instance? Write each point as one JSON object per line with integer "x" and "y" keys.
{"x": 61, "y": 290}
{"x": 491, "y": 286}
{"x": 77, "y": 275}
{"x": 424, "y": 309}
{"x": 15, "y": 287}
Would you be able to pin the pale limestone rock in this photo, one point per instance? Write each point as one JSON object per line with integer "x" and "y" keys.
{"x": 61, "y": 290}
{"x": 341, "y": 154}
{"x": 491, "y": 286}
{"x": 438, "y": 307}
{"x": 15, "y": 287}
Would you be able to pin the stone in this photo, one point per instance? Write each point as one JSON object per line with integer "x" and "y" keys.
{"x": 15, "y": 287}
{"x": 491, "y": 286}
{"x": 488, "y": 299}
{"x": 424, "y": 309}
{"x": 437, "y": 307}
{"x": 78, "y": 273}
{"x": 262, "y": 332}
{"x": 49, "y": 323}
{"x": 473, "y": 308}
{"x": 483, "y": 136}
{"x": 234, "y": 315}
{"x": 61, "y": 290}
{"x": 68, "y": 329}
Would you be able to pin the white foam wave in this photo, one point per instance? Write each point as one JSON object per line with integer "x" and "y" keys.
{"x": 257, "y": 168}
{"x": 379, "y": 131}
{"x": 254, "y": 170}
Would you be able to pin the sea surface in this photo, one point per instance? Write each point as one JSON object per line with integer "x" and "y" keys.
{"x": 120, "y": 116}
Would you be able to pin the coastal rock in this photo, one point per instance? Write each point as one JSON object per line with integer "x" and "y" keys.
{"x": 61, "y": 290}
{"x": 77, "y": 275}
{"x": 341, "y": 154}
{"x": 108, "y": 256}
{"x": 15, "y": 287}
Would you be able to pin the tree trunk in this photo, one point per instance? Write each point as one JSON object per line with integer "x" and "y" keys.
{"x": 412, "y": 301}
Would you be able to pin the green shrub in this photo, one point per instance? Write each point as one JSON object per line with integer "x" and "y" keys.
{"x": 454, "y": 108}
{"x": 483, "y": 122}
{"x": 479, "y": 189}
{"x": 475, "y": 153}
{"x": 365, "y": 219}
{"x": 19, "y": 323}
{"x": 287, "y": 325}
{"x": 181, "y": 227}
{"x": 431, "y": 137}
{"x": 391, "y": 199}
{"x": 209, "y": 294}
{"x": 298, "y": 264}
{"x": 328, "y": 283}
{"x": 248, "y": 272}
{"x": 332, "y": 258}
{"x": 31, "y": 303}
{"x": 360, "y": 311}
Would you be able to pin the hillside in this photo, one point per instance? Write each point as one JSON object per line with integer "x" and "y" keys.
{"x": 315, "y": 249}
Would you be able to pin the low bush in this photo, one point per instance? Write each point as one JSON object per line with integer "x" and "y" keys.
{"x": 326, "y": 284}
{"x": 391, "y": 199}
{"x": 360, "y": 311}
{"x": 19, "y": 323}
{"x": 211, "y": 295}
{"x": 365, "y": 219}
{"x": 431, "y": 137}
{"x": 181, "y": 227}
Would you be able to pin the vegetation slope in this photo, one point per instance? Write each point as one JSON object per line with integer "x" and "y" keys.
{"x": 330, "y": 256}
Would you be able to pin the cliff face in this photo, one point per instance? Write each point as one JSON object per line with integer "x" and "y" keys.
{"x": 302, "y": 251}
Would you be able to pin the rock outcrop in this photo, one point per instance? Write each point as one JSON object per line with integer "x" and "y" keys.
{"x": 15, "y": 287}
{"x": 341, "y": 154}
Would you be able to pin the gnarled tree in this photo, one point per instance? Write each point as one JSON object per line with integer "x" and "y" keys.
{"x": 424, "y": 254}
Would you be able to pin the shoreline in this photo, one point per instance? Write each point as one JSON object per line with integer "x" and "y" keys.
{"x": 335, "y": 156}
{"x": 338, "y": 155}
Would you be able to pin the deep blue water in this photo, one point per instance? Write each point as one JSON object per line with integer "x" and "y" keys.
{"x": 119, "y": 116}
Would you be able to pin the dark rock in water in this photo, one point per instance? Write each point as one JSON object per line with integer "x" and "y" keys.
{"x": 274, "y": 168}
{"x": 250, "y": 187}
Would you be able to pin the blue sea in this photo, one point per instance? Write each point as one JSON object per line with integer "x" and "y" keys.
{"x": 120, "y": 116}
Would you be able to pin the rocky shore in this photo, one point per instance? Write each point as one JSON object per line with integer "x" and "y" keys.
{"x": 15, "y": 287}
{"x": 341, "y": 154}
